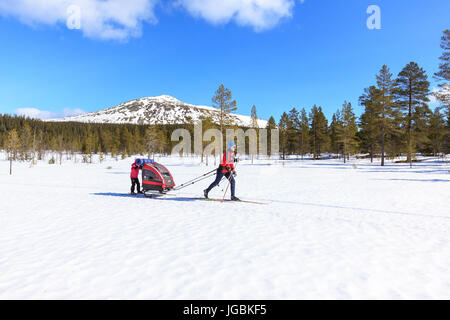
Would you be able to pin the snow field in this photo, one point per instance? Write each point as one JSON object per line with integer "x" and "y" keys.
{"x": 329, "y": 231}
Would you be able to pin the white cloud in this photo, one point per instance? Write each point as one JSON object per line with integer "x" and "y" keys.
{"x": 122, "y": 19}
{"x": 104, "y": 19}
{"x": 259, "y": 14}
{"x": 44, "y": 115}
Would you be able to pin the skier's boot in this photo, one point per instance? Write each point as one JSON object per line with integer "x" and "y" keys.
{"x": 140, "y": 192}
{"x": 233, "y": 198}
{"x": 205, "y": 193}
{"x": 133, "y": 193}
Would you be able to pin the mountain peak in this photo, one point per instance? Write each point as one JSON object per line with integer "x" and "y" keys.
{"x": 163, "y": 109}
{"x": 164, "y": 98}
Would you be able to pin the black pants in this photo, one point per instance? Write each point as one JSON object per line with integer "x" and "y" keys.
{"x": 134, "y": 182}
{"x": 219, "y": 177}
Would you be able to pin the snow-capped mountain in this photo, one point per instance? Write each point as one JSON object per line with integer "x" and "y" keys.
{"x": 156, "y": 110}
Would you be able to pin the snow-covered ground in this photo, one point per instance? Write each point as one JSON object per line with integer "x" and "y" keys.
{"x": 329, "y": 231}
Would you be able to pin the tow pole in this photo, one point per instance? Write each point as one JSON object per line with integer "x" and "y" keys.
{"x": 195, "y": 180}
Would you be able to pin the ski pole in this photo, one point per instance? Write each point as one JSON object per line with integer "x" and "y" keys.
{"x": 184, "y": 185}
{"x": 229, "y": 182}
{"x": 228, "y": 185}
{"x": 199, "y": 177}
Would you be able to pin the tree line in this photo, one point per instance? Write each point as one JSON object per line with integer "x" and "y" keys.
{"x": 396, "y": 120}
{"x": 27, "y": 139}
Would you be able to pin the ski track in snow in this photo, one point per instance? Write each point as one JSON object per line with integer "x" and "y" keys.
{"x": 329, "y": 231}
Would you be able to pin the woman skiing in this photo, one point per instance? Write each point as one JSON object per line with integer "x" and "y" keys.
{"x": 226, "y": 169}
{"x": 134, "y": 175}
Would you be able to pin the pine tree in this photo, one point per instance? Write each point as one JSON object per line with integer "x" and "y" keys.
{"x": 271, "y": 124}
{"x": 412, "y": 95}
{"x": 26, "y": 141}
{"x": 422, "y": 119}
{"x": 115, "y": 142}
{"x": 335, "y": 129}
{"x": 283, "y": 126}
{"x": 347, "y": 130}
{"x": 222, "y": 100}
{"x": 105, "y": 140}
{"x": 33, "y": 148}
{"x": 40, "y": 145}
{"x": 304, "y": 132}
{"x": 396, "y": 140}
{"x": 152, "y": 135}
{"x": 162, "y": 141}
{"x": 319, "y": 131}
{"x": 385, "y": 105}
{"x": 127, "y": 141}
{"x": 60, "y": 148}
{"x": 443, "y": 75}
{"x": 12, "y": 147}
{"x": 293, "y": 131}
{"x": 88, "y": 148}
{"x": 437, "y": 131}
{"x": 370, "y": 130}
{"x": 444, "y": 66}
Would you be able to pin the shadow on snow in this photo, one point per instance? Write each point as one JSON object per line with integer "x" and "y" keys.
{"x": 141, "y": 196}
{"x": 416, "y": 180}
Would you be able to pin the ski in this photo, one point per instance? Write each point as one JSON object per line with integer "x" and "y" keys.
{"x": 228, "y": 200}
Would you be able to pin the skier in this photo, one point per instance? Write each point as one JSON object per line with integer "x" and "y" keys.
{"x": 226, "y": 168}
{"x": 134, "y": 177}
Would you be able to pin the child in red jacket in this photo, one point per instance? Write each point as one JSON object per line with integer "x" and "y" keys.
{"x": 134, "y": 175}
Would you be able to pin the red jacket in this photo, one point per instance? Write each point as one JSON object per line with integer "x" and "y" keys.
{"x": 228, "y": 161}
{"x": 134, "y": 171}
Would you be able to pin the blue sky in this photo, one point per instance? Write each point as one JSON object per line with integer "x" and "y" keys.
{"x": 291, "y": 55}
